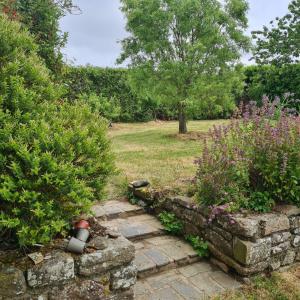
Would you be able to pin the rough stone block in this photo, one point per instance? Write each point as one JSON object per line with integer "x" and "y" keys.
{"x": 123, "y": 278}
{"x": 296, "y": 241}
{"x": 288, "y": 210}
{"x": 272, "y": 223}
{"x": 278, "y": 238}
{"x": 219, "y": 241}
{"x": 249, "y": 253}
{"x": 295, "y": 222}
{"x": 87, "y": 289}
{"x": 280, "y": 248}
{"x": 118, "y": 252}
{"x": 225, "y": 234}
{"x": 12, "y": 282}
{"x": 275, "y": 264}
{"x": 289, "y": 258}
{"x": 56, "y": 270}
{"x": 242, "y": 226}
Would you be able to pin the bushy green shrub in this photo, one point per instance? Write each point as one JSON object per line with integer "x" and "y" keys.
{"x": 54, "y": 156}
{"x": 272, "y": 81}
{"x": 254, "y": 162}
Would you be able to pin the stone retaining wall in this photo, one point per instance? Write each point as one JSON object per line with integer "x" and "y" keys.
{"x": 102, "y": 274}
{"x": 247, "y": 243}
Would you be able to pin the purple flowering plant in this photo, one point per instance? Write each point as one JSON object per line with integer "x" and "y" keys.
{"x": 254, "y": 162}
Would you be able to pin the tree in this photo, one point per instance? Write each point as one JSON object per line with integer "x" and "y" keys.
{"x": 41, "y": 18}
{"x": 280, "y": 44}
{"x": 177, "y": 46}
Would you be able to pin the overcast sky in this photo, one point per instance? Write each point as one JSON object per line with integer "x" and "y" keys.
{"x": 94, "y": 35}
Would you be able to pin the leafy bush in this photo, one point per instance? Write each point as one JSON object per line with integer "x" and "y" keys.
{"x": 54, "y": 156}
{"x": 272, "y": 81}
{"x": 171, "y": 223}
{"x": 199, "y": 245}
{"x": 254, "y": 162}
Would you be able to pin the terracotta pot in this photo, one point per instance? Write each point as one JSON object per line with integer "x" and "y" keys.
{"x": 76, "y": 246}
{"x": 82, "y": 224}
{"x": 82, "y": 234}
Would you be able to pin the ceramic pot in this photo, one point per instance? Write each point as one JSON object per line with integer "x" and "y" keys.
{"x": 76, "y": 245}
{"x": 82, "y": 224}
{"x": 82, "y": 234}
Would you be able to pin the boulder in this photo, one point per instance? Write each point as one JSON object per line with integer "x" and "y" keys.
{"x": 124, "y": 278}
{"x": 58, "y": 269}
{"x": 272, "y": 223}
{"x": 12, "y": 282}
{"x": 79, "y": 290}
{"x": 119, "y": 251}
{"x": 289, "y": 258}
{"x": 249, "y": 253}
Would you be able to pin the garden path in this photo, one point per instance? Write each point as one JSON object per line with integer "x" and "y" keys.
{"x": 168, "y": 267}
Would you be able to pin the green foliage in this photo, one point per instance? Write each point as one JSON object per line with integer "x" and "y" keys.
{"x": 171, "y": 223}
{"x": 41, "y": 18}
{"x": 280, "y": 44}
{"x": 272, "y": 81}
{"x": 254, "y": 162}
{"x": 54, "y": 156}
{"x": 199, "y": 245}
{"x": 110, "y": 84}
{"x": 173, "y": 52}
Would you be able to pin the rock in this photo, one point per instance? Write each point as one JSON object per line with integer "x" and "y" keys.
{"x": 295, "y": 222}
{"x": 288, "y": 210}
{"x": 219, "y": 241}
{"x": 225, "y": 234}
{"x": 143, "y": 193}
{"x": 124, "y": 278}
{"x": 240, "y": 269}
{"x": 249, "y": 253}
{"x": 118, "y": 252}
{"x": 98, "y": 243}
{"x": 112, "y": 233}
{"x": 298, "y": 256}
{"x": 278, "y": 238}
{"x": 12, "y": 282}
{"x": 273, "y": 223}
{"x": 275, "y": 264}
{"x": 183, "y": 201}
{"x": 80, "y": 290}
{"x": 243, "y": 226}
{"x": 56, "y": 270}
{"x": 36, "y": 257}
{"x": 289, "y": 258}
{"x": 296, "y": 241}
{"x": 123, "y": 295}
{"x": 280, "y": 248}
{"x": 140, "y": 183}
{"x": 296, "y": 231}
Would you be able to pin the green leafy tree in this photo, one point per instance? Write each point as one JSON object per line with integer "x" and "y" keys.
{"x": 280, "y": 44}
{"x": 41, "y": 18}
{"x": 175, "y": 46}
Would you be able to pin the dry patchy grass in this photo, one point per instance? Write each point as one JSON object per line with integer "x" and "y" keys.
{"x": 156, "y": 152}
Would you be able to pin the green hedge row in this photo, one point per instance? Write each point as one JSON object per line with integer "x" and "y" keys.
{"x": 113, "y": 85}
{"x": 271, "y": 81}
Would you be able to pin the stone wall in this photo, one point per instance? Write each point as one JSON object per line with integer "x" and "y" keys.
{"x": 246, "y": 243}
{"x": 100, "y": 274}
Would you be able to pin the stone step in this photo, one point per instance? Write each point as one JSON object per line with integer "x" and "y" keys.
{"x": 136, "y": 227}
{"x": 116, "y": 209}
{"x": 162, "y": 253}
{"x": 200, "y": 280}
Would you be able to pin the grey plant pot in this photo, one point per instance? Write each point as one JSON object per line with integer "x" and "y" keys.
{"x": 76, "y": 245}
{"x": 82, "y": 234}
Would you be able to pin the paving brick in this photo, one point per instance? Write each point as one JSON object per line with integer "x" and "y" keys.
{"x": 157, "y": 256}
{"x": 165, "y": 294}
{"x": 174, "y": 252}
{"x": 225, "y": 280}
{"x": 143, "y": 262}
{"x": 162, "y": 240}
{"x": 206, "y": 284}
{"x": 194, "y": 269}
{"x": 98, "y": 211}
{"x": 162, "y": 280}
{"x": 187, "y": 291}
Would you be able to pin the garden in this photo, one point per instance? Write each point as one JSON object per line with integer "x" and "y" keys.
{"x": 184, "y": 160}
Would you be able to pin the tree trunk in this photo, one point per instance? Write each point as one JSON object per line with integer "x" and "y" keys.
{"x": 182, "y": 118}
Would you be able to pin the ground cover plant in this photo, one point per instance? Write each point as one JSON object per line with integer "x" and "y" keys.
{"x": 54, "y": 156}
{"x": 254, "y": 162}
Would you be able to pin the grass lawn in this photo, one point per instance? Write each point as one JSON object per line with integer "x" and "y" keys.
{"x": 156, "y": 152}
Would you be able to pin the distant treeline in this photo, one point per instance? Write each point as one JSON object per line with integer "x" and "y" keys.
{"x": 113, "y": 84}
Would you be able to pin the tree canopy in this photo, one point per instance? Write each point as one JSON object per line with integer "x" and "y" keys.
{"x": 177, "y": 47}
{"x": 280, "y": 44}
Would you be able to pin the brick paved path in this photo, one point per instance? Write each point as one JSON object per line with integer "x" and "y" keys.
{"x": 168, "y": 267}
